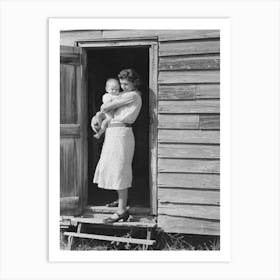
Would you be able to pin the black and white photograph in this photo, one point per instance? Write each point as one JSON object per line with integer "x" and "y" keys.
{"x": 140, "y": 139}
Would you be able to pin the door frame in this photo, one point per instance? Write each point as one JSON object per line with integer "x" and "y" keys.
{"x": 152, "y": 43}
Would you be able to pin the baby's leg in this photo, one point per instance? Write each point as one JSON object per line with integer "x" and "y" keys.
{"x": 103, "y": 127}
{"x": 100, "y": 116}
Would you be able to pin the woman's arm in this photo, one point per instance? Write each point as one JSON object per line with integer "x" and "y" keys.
{"x": 119, "y": 102}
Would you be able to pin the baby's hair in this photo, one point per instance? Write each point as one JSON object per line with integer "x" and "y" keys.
{"x": 130, "y": 75}
{"x": 112, "y": 80}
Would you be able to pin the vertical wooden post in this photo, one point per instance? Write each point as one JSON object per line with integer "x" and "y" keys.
{"x": 149, "y": 235}
{"x": 153, "y": 85}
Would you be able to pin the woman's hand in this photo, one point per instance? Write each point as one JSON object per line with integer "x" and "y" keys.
{"x": 126, "y": 99}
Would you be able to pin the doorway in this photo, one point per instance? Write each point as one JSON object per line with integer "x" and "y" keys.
{"x": 103, "y": 63}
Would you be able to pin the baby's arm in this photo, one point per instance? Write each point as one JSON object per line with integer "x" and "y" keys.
{"x": 125, "y": 99}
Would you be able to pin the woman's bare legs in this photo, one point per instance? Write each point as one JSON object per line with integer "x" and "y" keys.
{"x": 122, "y": 200}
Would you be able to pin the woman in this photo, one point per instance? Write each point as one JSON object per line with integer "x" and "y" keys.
{"x": 114, "y": 169}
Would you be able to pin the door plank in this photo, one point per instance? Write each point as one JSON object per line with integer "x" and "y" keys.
{"x": 70, "y": 130}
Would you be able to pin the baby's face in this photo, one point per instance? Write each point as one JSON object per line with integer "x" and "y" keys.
{"x": 112, "y": 87}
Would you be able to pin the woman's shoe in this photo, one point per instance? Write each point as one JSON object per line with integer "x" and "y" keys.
{"x": 124, "y": 217}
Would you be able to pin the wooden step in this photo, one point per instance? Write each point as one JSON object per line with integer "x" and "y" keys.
{"x": 133, "y": 221}
{"x": 109, "y": 210}
{"x": 111, "y": 238}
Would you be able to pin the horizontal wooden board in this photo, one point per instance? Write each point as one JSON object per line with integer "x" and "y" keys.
{"x": 188, "y": 92}
{"x": 207, "y": 91}
{"x": 111, "y": 238}
{"x": 187, "y": 165}
{"x": 69, "y": 37}
{"x": 189, "y": 107}
{"x": 172, "y": 195}
{"x": 209, "y": 121}
{"x": 178, "y": 121}
{"x": 190, "y": 211}
{"x": 189, "y": 63}
{"x": 188, "y": 136}
{"x": 190, "y": 77}
{"x": 188, "y": 151}
{"x": 171, "y": 92}
{"x": 183, "y": 180}
{"x": 189, "y": 226}
{"x": 69, "y": 202}
{"x": 187, "y": 48}
{"x": 69, "y": 130}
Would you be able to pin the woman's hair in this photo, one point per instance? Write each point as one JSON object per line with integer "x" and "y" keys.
{"x": 130, "y": 75}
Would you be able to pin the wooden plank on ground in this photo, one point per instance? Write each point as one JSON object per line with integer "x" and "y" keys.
{"x": 188, "y": 92}
{"x": 188, "y": 165}
{"x": 184, "y": 180}
{"x": 189, "y": 107}
{"x": 178, "y": 121}
{"x": 111, "y": 238}
{"x": 189, "y": 63}
{"x": 188, "y": 151}
{"x": 190, "y": 226}
{"x": 187, "y": 48}
{"x": 190, "y": 211}
{"x": 172, "y": 195}
{"x": 209, "y": 121}
{"x": 188, "y": 136}
{"x": 189, "y": 77}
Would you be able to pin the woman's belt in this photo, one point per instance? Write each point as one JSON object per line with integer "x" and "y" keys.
{"x": 120, "y": 125}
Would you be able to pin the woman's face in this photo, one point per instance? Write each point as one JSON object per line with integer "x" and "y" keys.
{"x": 127, "y": 85}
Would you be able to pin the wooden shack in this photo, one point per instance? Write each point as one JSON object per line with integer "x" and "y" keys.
{"x": 176, "y": 163}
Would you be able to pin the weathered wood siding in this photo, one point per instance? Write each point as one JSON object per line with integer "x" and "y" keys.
{"x": 188, "y": 124}
{"x": 188, "y": 135}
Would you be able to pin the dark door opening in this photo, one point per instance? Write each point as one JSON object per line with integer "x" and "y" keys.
{"x": 104, "y": 63}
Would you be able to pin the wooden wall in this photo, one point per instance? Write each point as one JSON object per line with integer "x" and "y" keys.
{"x": 188, "y": 135}
{"x": 188, "y": 125}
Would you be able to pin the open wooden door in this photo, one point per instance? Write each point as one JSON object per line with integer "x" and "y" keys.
{"x": 73, "y": 130}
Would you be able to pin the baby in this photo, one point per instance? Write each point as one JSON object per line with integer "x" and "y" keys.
{"x": 101, "y": 120}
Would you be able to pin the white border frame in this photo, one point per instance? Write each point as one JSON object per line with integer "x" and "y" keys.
{"x": 57, "y": 255}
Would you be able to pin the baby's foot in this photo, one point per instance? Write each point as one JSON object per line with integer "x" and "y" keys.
{"x": 97, "y": 135}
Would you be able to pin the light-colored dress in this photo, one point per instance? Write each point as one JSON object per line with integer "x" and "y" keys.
{"x": 114, "y": 169}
